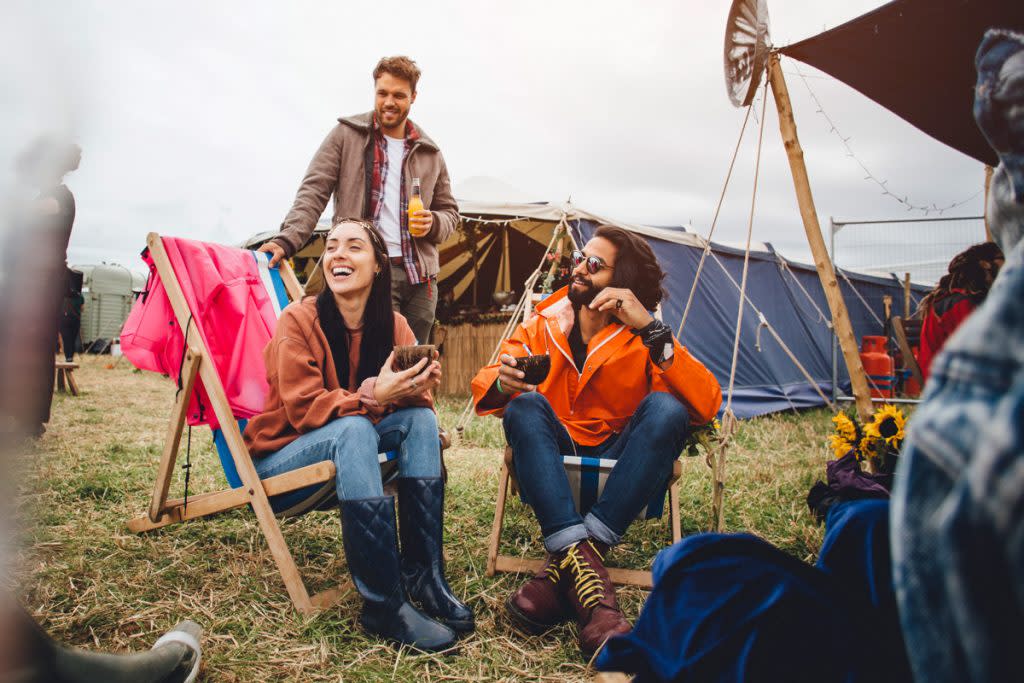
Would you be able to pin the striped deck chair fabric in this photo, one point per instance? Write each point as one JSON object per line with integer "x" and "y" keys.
{"x": 587, "y": 477}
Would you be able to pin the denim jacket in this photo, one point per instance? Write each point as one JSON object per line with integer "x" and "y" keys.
{"x": 958, "y": 503}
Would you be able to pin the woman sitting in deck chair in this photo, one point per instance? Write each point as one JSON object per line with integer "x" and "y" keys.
{"x": 334, "y": 394}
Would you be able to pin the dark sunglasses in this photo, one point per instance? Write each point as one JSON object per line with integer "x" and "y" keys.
{"x": 594, "y": 264}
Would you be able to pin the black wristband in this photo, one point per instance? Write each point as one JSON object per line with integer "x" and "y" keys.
{"x": 655, "y": 335}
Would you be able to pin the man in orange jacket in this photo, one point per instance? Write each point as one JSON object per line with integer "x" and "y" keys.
{"x": 620, "y": 387}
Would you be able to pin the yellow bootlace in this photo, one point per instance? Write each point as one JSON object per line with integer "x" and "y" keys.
{"x": 589, "y": 588}
{"x": 552, "y": 571}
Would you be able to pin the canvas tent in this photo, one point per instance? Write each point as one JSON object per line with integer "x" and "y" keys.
{"x": 782, "y": 294}
{"x": 916, "y": 58}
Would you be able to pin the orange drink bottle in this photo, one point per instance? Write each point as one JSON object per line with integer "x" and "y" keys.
{"x": 415, "y": 204}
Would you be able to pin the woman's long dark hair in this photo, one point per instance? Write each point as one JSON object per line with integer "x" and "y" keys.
{"x": 378, "y": 319}
{"x": 971, "y": 272}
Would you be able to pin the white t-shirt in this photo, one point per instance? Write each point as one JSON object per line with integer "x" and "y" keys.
{"x": 390, "y": 223}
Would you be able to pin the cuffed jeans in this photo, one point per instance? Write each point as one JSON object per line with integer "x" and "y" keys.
{"x": 353, "y": 443}
{"x": 645, "y": 451}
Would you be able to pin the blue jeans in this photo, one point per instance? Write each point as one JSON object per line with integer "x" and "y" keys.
{"x": 645, "y": 451}
{"x": 353, "y": 443}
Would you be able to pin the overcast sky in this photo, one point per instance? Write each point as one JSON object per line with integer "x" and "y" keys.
{"x": 198, "y": 119}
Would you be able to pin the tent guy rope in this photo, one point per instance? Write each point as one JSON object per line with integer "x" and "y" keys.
{"x": 729, "y": 417}
{"x": 561, "y": 231}
{"x": 714, "y": 222}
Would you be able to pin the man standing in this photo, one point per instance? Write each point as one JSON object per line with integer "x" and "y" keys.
{"x": 368, "y": 162}
{"x": 620, "y": 387}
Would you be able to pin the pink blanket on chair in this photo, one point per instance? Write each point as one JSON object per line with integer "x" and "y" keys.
{"x": 232, "y": 310}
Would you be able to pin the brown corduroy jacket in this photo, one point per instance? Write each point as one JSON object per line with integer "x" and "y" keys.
{"x": 342, "y": 167}
{"x": 304, "y": 390}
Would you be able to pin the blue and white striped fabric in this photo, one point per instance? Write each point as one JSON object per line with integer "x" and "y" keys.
{"x": 587, "y": 477}
{"x": 272, "y": 282}
{"x": 320, "y": 496}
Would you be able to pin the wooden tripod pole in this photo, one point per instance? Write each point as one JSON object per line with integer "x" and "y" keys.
{"x": 840, "y": 317}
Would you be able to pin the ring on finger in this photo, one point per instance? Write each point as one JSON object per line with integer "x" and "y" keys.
{"x": 618, "y": 304}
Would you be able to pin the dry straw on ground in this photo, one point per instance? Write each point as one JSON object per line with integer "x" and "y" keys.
{"x": 92, "y": 583}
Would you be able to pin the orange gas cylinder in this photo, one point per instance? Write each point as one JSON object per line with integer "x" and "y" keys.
{"x": 911, "y": 387}
{"x": 878, "y": 365}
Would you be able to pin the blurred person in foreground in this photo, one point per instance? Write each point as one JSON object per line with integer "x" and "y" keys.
{"x": 960, "y": 291}
{"x": 31, "y": 290}
{"x": 368, "y": 163}
{"x": 958, "y": 501}
{"x": 619, "y": 387}
{"x": 47, "y": 217}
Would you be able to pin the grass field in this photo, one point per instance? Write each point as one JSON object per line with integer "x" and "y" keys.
{"x": 92, "y": 583}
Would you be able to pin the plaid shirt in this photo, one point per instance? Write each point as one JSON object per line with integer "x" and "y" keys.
{"x": 380, "y": 174}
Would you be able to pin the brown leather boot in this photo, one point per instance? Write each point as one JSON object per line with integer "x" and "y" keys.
{"x": 592, "y": 596}
{"x": 540, "y": 603}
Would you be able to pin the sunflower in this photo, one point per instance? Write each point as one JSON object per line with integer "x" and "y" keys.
{"x": 868, "y": 440}
{"x": 845, "y": 428}
{"x": 888, "y": 426}
{"x": 706, "y": 437}
{"x": 839, "y": 445}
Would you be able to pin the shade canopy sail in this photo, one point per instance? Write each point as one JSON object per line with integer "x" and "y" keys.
{"x": 916, "y": 59}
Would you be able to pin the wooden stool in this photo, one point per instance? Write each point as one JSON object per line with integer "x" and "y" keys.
{"x": 65, "y": 373}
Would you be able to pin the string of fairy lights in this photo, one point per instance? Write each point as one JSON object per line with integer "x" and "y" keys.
{"x": 868, "y": 174}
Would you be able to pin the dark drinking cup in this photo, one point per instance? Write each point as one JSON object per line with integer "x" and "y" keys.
{"x": 536, "y": 368}
{"x": 408, "y": 356}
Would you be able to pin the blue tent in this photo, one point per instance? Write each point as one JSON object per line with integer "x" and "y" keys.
{"x": 783, "y": 296}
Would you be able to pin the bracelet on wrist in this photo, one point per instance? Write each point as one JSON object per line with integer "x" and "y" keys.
{"x": 657, "y": 337}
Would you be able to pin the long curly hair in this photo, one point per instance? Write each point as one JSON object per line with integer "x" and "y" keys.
{"x": 971, "y": 272}
{"x": 636, "y": 267}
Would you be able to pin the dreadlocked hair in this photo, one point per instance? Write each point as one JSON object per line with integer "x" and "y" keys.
{"x": 378, "y": 318}
{"x": 971, "y": 272}
{"x": 636, "y": 266}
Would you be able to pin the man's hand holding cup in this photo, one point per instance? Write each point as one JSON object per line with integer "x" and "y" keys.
{"x": 510, "y": 378}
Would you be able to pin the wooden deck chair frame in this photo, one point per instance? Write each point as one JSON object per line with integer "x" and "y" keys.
{"x": 508, "y": 563}
{"x": 909, "y": 360}
{"x": 254, "y": 491}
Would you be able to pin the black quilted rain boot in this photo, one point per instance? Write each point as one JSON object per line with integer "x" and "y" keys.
{"x": 371, "y": 548}
{"x": 421, "y": 510}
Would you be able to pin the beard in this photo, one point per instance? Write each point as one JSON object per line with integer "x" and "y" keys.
{"x": 401, "y": 117}
{"x": 582, "y": 297}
